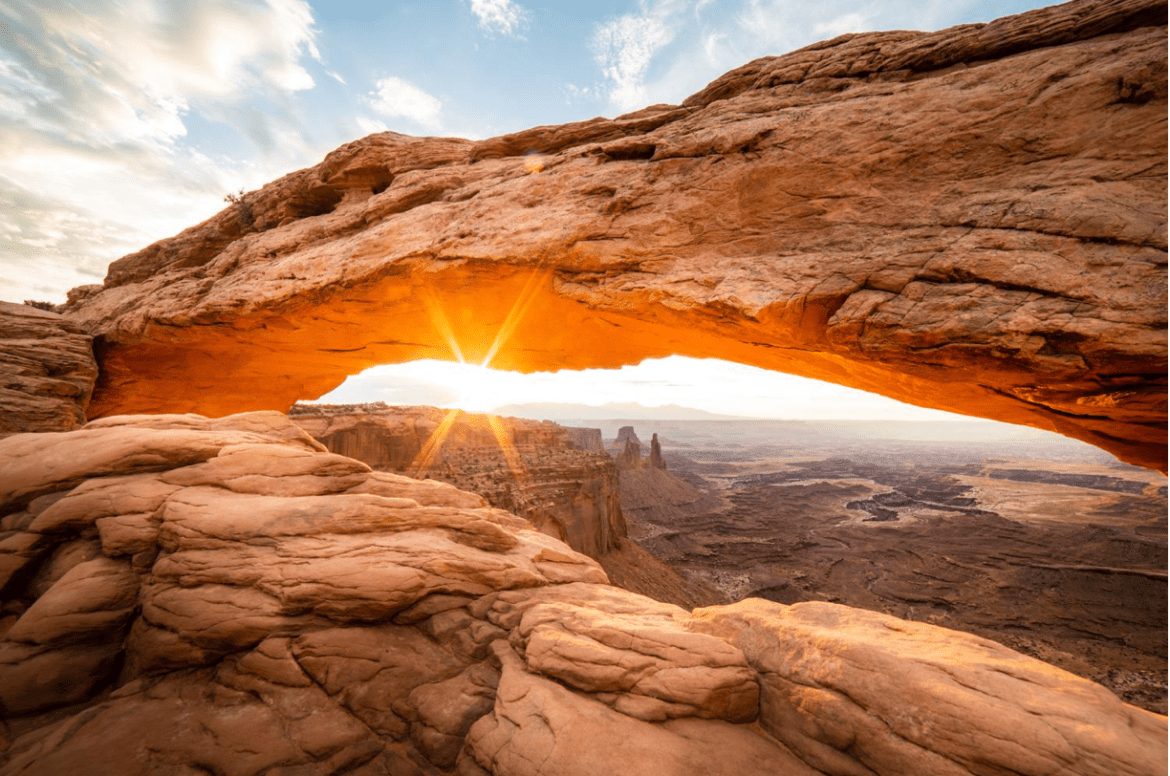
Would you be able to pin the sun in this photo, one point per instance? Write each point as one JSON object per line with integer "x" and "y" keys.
{"x": 480, "y": 389}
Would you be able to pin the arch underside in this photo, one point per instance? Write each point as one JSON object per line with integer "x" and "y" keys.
{"x": 987, "y": 239}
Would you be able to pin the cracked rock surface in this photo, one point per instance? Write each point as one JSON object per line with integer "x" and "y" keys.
{"x": 972, "y": 219}
{"x": 192, "y": 595}
{"x": 47, "y": 370}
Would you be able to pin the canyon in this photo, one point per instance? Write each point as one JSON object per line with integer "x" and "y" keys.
{"x": 972, "y": 219}
{"x": 558, "y": 478}
{"x": 1034, "y": 541}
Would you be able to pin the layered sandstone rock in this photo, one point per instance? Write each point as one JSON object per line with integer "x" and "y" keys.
{"x": 227, "y": 596}
{"x": 47, "y": 370}
{"x": 972, "y": 219}
{"x": 534, "y": 469}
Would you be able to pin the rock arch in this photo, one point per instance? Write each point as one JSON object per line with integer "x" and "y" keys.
{"x": 973, "y": 220}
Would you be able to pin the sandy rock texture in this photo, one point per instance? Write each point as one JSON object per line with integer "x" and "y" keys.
{"x": 972, "y": 219}
{"x": 535, "y": 469}
{"x": 837, "y": 683}
{"x": 47, "y": 371}
{"x": 191, "y": 595}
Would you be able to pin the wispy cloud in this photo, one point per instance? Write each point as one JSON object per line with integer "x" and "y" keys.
{"x": 625, "y": 46}
{"x": 500, "y": 16}
{"x": 120, "y": 76}
{"x": 669, "y": 49}
{"x": 33, "y": 227}
{"x": 839, "y": 25}
{"x": 369, "y": 125}
{"x": 394, "y": 97}
{"x": 96, "y": 99}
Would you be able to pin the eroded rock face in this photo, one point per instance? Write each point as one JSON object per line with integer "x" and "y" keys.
{"x": 215, "y": 535}
{"x": 537, "y": 470}
{"x": 973, "y": 220}
{"x": 47, "y": 371}
{"x": 227, "y": 596}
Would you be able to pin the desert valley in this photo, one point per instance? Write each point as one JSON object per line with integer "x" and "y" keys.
{"x": 206, "y": 570}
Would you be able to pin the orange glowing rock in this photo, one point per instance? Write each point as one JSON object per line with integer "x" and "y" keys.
{"x": 972, "y": 220}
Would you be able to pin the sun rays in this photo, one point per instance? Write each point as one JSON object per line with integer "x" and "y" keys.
{"x": 439, "y": 319}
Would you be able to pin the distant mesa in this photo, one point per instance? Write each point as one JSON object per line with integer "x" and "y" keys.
{"x": 626, "y": 435}
{"x": 627, "y": 450}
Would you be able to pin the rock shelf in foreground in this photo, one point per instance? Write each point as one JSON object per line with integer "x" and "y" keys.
{"x": 186, "y": 594}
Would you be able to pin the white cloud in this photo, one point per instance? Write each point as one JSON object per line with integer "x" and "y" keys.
{"x": 574, "y": 93}
{"x": 500, "y": 16}
{"x": 370, "y": 126}
{"x": 125, "y": 73}
{"x": 669, "y": 49}
{"x": 626, "y": 45}
{"x": 394, "y": 97}
{"x": 94, "y": 103}
{"x": 850, "y": 22}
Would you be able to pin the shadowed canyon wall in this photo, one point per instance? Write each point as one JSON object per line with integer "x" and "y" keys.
{"x": 973, "y": 220}
{"x": 530, "y": 468}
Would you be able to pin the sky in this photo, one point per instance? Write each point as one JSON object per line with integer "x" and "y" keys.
{"x": 124, "y": 122}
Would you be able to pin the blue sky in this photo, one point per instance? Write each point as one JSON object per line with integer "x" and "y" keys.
{"x": 125, "y": 122}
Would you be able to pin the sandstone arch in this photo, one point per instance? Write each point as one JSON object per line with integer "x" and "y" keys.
{"x": 973, "y": 220}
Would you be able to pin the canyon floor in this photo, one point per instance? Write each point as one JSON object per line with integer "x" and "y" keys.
{"x": 1038, "y": 542}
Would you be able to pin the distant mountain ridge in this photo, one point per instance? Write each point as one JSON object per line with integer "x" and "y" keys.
{"x": 610, "y": 411}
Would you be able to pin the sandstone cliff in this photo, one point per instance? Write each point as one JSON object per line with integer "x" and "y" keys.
{"x": 47, "y": 371}
{"x": 972, "y": 219}
{"x": 190, "y": 595}
{"x": 533, "y": 469}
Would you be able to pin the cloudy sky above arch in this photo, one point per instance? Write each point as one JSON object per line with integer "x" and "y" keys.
{"x": 126, "y": 122}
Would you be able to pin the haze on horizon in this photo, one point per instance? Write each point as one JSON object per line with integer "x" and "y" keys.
{"x": 708, "y": 385}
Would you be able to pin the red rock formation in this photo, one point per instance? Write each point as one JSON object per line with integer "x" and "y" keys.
{"x": 972, "y": 219}
{"x": 537, "y": 471}
{"x": 47, "y": 371}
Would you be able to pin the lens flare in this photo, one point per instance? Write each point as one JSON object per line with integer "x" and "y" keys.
{"x": 511, "y": 454}
{"x": 428, "y": 452}
{"x": 440, "y": 322}
{"x": 517, "y": 313}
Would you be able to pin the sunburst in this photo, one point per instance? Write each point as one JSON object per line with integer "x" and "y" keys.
{"x": 442, "y": 324}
